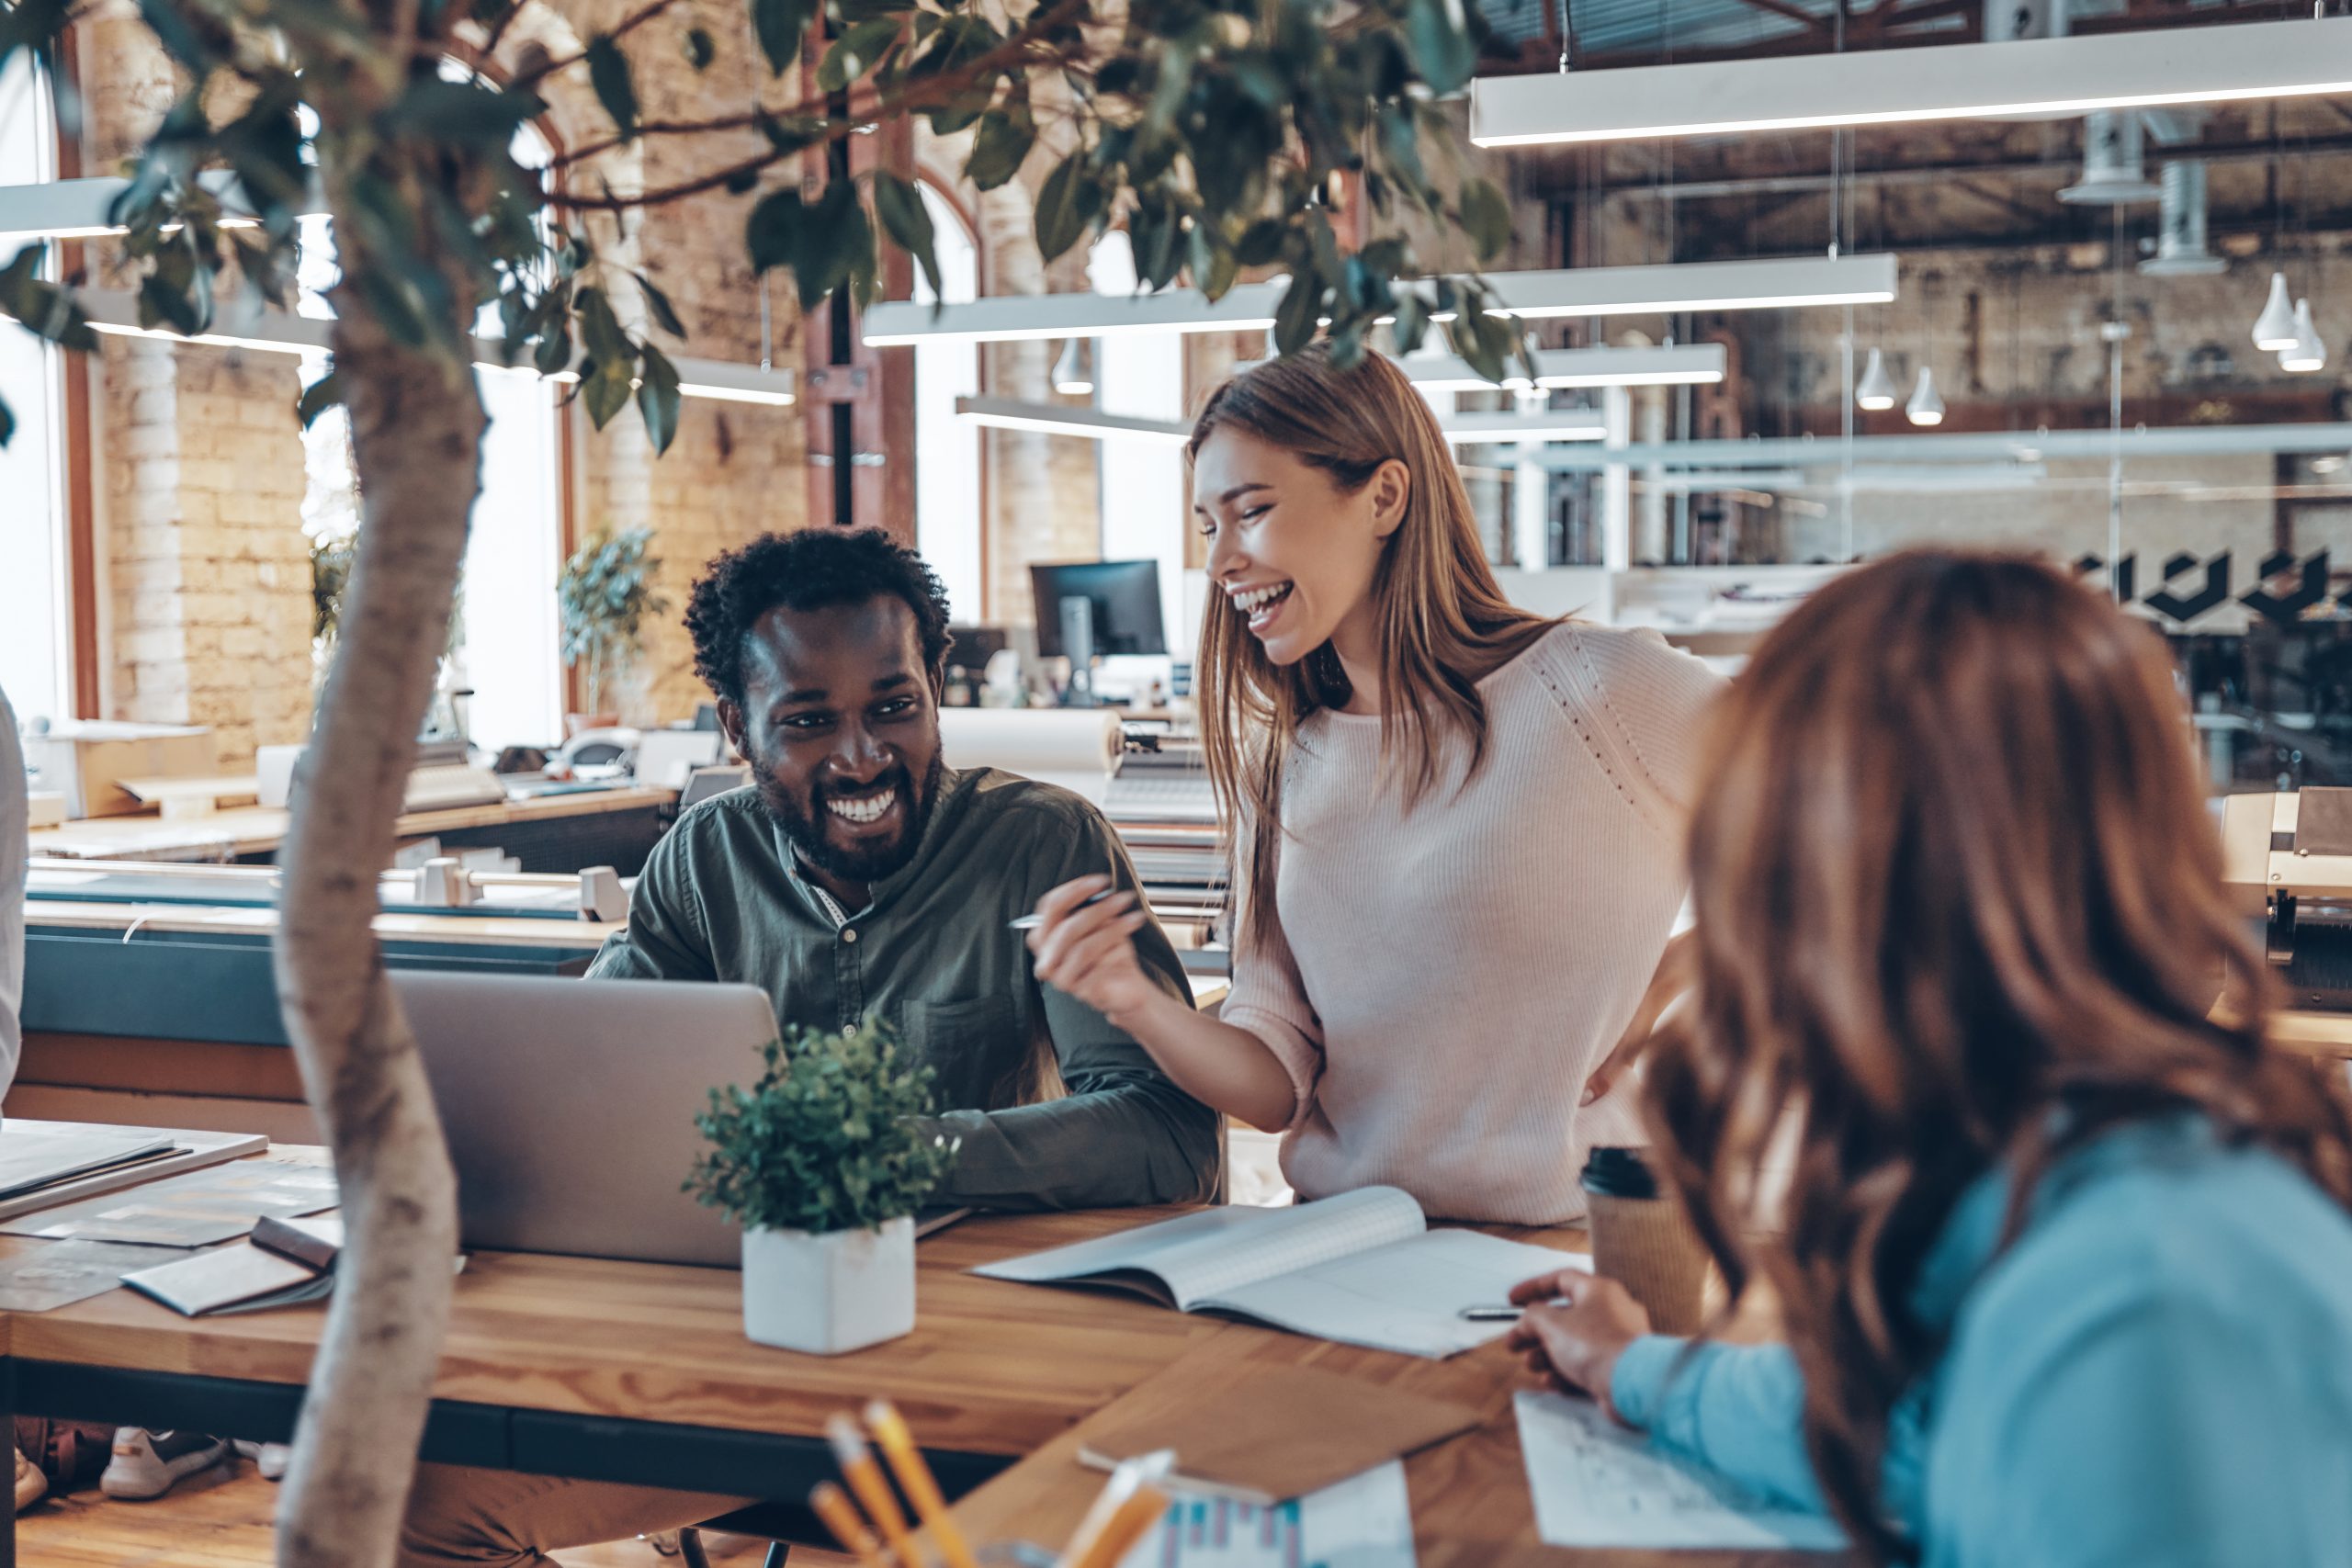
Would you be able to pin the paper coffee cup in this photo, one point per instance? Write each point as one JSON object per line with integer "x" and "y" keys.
{"x": 1644, "y": 1240}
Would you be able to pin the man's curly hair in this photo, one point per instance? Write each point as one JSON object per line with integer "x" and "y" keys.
{"x": 813, "y": 569}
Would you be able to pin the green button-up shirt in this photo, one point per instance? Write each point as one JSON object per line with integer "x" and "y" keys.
{"x": 722, "y": 899}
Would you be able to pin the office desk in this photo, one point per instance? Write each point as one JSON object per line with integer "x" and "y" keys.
{"x": 640, "y": 1373}
{"x": 254, "y": 832}
{"x": 1471, "y": 1506}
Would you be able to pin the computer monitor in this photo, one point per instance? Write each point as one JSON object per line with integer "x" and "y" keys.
{"x": 970, "y": 648}
{"x": 1125, "y": 598}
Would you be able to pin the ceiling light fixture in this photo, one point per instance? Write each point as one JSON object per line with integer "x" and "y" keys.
{"x": 2274, "y": 330}
{"x": 1031, "y": 318}
{"x": 1876, "y": 391}
{"x": 1491, "y": 429}
{"x": 1777, "y": 284}
{"x": 2309, "y": 351}
{"x": 1072, "y": 376}
{"x": 1049, "y": 419}
{"x": 1676, "y": 365}
{"x": 2075, "y": 75}
{"x": 1927, "y": 404}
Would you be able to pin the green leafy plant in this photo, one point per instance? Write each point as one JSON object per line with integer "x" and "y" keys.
{"x": 827, "y": 1140}
{"x": 605, "y": 595}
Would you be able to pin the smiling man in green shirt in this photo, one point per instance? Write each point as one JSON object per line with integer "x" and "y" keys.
{"x": 859, "y": 874}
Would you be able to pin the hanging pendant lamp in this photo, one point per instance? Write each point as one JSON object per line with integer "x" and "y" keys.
{"x": 1072, "y": 379}
{"x": 2275, "y": 329}
{"x": 1876, "y": 390}
{"x": 2309, "y": 352}
{"x": 1927, "y": 405}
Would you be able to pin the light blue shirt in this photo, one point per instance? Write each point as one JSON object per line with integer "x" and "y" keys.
{"x": 2158, "y": 1373}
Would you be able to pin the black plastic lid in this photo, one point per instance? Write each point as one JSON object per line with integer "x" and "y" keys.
{"x": 1619, "y": 1173}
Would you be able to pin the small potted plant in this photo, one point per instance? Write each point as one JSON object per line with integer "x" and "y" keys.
{"x": 605, "y": 596}
{"x": 824, "y": 1162}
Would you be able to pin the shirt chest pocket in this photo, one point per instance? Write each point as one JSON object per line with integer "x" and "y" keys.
{"x": 976, "y": 1047}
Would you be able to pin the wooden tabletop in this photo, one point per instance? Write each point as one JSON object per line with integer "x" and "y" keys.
{"x": 992, "y": 1368}
{"x": 1471, "y": 1505}
{"x": 257, "y": 829}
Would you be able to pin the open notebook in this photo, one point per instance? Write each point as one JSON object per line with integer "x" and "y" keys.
{"x": 1362, "y": 1269}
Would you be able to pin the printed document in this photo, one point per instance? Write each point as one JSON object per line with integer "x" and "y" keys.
{"x": 1365, "y": 1521}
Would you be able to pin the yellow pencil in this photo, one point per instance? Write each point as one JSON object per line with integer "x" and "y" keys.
{"x": 1145, "y": 1508}
{"x": 1133, "y": 1475}
{"x": 831, "y": 1504}
{"x": 889, "y": 1429}
{"x": 872, "y": 1488}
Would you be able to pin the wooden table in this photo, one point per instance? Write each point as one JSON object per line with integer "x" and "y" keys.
{"x": 1471, "y": 1506}
{"x": 639, "y": 1372}
{"x": 249, "y": 831}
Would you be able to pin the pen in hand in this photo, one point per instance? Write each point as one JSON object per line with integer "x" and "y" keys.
{"x": 1031, "y": 922}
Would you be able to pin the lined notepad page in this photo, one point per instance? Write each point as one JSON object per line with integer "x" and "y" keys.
{"x": 1213, "y": 1252}
{"x": 1407, "y": 1296}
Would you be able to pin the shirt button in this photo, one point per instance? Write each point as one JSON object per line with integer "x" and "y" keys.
{"x": 849, "y": 934}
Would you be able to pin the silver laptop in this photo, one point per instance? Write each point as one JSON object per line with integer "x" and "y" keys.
{"x": 570, "y": 1107}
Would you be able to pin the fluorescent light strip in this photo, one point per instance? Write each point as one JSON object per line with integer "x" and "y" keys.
{"x": 1007, "y": 413}
{"x": 1778, "y": 284}
{"x": 116, "y": 313}
{"x": 1032, "y": 318}
{"x": 77, "y": 209}
{"x": 1884, "y": 87}
{"x": 1682, "y": 364}
{"x": 1488, "y": 429}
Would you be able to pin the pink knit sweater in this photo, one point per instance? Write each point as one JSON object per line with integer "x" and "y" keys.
{"x": 1457, "y": 969}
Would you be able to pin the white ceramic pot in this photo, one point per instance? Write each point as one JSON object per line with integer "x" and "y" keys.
{"x": 830, "y": 1292}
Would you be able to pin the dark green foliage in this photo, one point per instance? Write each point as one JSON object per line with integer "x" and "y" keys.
{"x": 607, "y": 594}
{"x": 1220, "y": 133}
{"x": 827, "y": 1139}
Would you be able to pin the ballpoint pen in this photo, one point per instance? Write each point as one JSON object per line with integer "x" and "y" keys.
{"x": 1031, "y": 922}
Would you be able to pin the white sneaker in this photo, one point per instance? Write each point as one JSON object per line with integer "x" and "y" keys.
{"x": 148, "y": 1464}
{"x": 270, "y": 1458}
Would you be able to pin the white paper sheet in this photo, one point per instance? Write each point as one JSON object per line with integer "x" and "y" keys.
{"x": 1365, "y": 1521}
{"x": 1597, "y": 1485}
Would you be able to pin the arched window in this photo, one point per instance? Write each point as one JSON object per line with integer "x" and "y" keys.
{"x": 507, "y": 646}
{"x": 947, "y": 449}
{"x": 34, "y": 623}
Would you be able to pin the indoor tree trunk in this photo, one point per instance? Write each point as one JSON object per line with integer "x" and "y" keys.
{"x": 416, "y": 425}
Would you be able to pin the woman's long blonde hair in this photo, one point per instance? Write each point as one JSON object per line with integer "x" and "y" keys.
{"x": 1959, "y": 908}
{"x": 1443, "y": 620}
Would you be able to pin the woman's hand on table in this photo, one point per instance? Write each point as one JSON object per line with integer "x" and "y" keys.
{"x": 1088, "y": 950}
{"x": 1575, "y": 1327}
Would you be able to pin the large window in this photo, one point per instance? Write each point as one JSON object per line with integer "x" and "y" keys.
{"x": 35, "y": 623}
{"x": 506, "y": 645}
{"x": 947, "y": 449}
{"x": 1141, "y": 375}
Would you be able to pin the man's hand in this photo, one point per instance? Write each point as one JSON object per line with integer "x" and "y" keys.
{"x": 1676, "y": 970}
{"x": 1088, "y": 950}
{"x": 1575, "y": 1327}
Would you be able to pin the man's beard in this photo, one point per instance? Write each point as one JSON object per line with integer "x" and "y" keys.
{"x": 861, "y": 862}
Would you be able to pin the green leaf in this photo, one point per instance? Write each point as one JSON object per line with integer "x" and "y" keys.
{"x": 1002, "y": 145}
{"x": 904, "y": 218}
{"x": 1486, "y": 218}
{"x": 553, "y": 351}
{"x": 320, "y": 395}
{"x": 773, "y": 230}
{"x": 658, "y": 306}
{"x": 657, "y": 399}
{"x": 1260, "y": 243}
{"x": 835, "y": 242}
{"x": 856, "y": 52}
{"x": 700, "y": 50}
{"x": 162, "y": 303}
{"x": 8, "y": 424}
{"x": 1440, "y": 43}
{"x": 1412, "y": 322}
{"x": 1214, "y": 266}
{"x": 608, "y": 73}
{"x": 606, "y": 393}
{"x": 463, "y": 112}
{"x": 780, "y": 25}
{"x": 1296, "y": 318}
{"x": 600, "y": 329}
{"x": 1067, "y": 202}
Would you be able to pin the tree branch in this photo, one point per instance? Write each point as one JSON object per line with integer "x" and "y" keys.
{"x": 529, "y": 79}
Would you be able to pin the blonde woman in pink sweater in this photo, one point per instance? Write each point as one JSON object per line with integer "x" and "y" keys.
{"x": 1460, "y": 854}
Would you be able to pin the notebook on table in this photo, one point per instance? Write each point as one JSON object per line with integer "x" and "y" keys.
{"x": 1361, "y": 1268}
